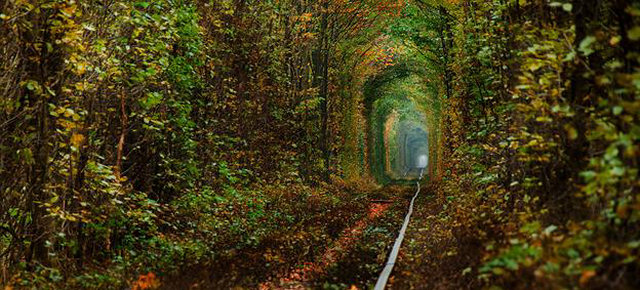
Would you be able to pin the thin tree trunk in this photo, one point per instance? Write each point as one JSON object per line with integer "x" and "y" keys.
{"x": 324, "y": 90}
{"x": 123, "y": 133}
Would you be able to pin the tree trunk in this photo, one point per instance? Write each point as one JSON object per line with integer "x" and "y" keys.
{"x": 584, "y": 11}
{"x": 324, "y": 90}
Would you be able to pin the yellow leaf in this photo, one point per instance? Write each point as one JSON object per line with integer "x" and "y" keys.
{"x": 80, "y": 86}
{"x": 81, "y": 68}
{"x": 77, "y": 140}
{"x": 615, "y": 40}
{"x": 572, "y": 133}
{"x": 69, "y": 10}
{"x": 544, "y": 119}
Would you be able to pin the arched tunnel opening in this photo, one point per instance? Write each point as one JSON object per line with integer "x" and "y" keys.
{"x": 402, "y": 110}
{"x": 408, "y": 144}
{"x": 414, "y": 150}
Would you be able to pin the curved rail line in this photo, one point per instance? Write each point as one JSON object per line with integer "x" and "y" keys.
{"x": 391, "y": 261}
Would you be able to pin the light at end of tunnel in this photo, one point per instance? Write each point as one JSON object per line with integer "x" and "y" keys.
{"x": 422, "y": 161}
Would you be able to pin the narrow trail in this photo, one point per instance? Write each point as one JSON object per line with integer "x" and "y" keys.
{"x": 300, "y": 277}
{"x": 343, "y": 248}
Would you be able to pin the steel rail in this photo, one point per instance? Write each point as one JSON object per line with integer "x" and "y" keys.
{"x": 391, "y": 261}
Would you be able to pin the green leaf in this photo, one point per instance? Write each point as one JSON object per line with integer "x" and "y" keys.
{"x": 498, "y": 271}
{"x": 141, "y": 4}
{"x": 550, "y": 229}
{"x": 617, "y": 171}
{"x": 634, "y": 33}
{"x": 634, "y": 244}
{"x": 628, "y": 260}
{"x": 88, "y": 27}
{"x": 531, "y": 227}
{"x": 588, "y": 175}
{"x": 153, "y": 99}
{"x": 567, "y": 7}
{"x": 570, "y": 56}
{"x": 30, "y": 86}
{"x": 13, "y": 212}
{"x": 585, "y": 45}
{"x": 572, "y": 253}
{"x": 511, "y": 264}
{"x": 617, "y": 110}
{"x": 50, "y": 91}
{"x": 611, "y": 153}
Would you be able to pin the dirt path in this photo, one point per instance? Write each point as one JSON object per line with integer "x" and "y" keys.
{"x": 430, "y": 257}
{"x": 300, "y": 278}
{"x": 353, "y": 258}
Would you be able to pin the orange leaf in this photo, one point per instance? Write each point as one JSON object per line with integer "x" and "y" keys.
{"x": 586, "y": 276}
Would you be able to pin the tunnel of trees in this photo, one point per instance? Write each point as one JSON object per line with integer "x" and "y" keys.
{"x": 397, "y": 102}
{"x": 273, "y": 143}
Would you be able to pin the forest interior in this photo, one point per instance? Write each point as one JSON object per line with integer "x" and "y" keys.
{"x": 276, "y": 144}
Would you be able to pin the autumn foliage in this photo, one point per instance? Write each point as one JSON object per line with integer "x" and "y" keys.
{"x": 221, "y": 143}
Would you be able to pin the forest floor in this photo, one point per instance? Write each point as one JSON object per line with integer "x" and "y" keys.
{"x": 430, "y": 257}
{"x": 353, "y": 257}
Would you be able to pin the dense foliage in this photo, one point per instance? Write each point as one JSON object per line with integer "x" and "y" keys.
{"x": 137, "y": 132}
{"x": 540, "y": 165}
{"x": 213, "y": 143}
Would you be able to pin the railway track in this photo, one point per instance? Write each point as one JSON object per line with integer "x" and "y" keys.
{"x": 391, "y": 261}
